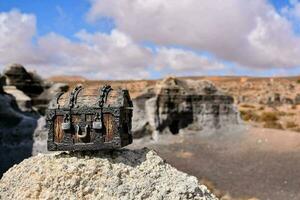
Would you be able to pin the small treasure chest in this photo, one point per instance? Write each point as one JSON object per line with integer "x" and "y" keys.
{"x": 89, "y": 119}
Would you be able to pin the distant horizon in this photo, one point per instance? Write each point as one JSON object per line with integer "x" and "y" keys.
{"x": 201, "y": 76}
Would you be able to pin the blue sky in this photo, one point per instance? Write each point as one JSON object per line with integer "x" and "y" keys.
{"x": 67, "y": 17}
{"x": 64, "y": 17}
{"x": 279, "y": 4}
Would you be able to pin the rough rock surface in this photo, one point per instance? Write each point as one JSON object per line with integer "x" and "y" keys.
{"x": 174, "y": 104}
{"x": 266, "y": 91}
{"x": 122, "y": 174}
{"x": 2, "y": 82}
{"x": 40, "y": 137}
{"x": 23, "y": 101}
{"x": 297, "y": 99}
{"x": 16, "y": 130}
{"x": 30, "y": 83}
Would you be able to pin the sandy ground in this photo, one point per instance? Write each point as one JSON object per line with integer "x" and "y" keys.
{"x": 247, "y": 162}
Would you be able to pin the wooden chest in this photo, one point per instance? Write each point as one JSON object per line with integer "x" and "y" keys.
{"x": 89, "y": 119}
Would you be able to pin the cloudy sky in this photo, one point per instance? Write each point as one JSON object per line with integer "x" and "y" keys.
{"x": 137, "y": 39}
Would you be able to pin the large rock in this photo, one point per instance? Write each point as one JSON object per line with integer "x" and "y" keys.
{"x": 40, "y": 137}
{"x": 30, "y": 83}
{"x": 174, "y": 104}
{"x": 23, "y": 101}
{"x": 123, "y": 174}
{"x": 297, "y": 99}
{"x": 16, "y": 132}
{"x": 2, "y": 82}
{"x": 275, "y": 99}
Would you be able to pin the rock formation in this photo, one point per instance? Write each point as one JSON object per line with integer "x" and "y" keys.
{"x": 23, "y": 101}
{"x": 122, "y": 174}
{"x": 274, "y": 92}
{"x": 30, "y": 83}
{"x": 29, "y": 89}
{"x": 16, "y": 130}
{"x": 41, "y": 102}
{"x": 175, "y": 104}
{"x": 24, "y": 86}
{"x": 297, "y": 99}
{"x": 40, "y": 137}
{"x": 21, "y": 95}
{"x": 2, "y": 82}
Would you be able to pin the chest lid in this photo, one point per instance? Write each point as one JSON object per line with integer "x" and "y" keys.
{"x": 104, "y": 96}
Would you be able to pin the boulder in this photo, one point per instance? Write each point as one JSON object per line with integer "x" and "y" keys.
{"x": 30, "y": 83}
{"x": 291, "y": 87}
{"x": 23, "y": 101}
{"x": 40, "y": 137}
{"x": 274, "y": 99}
{"x": 2, "y": 83}
{"x": 121, "y": 175}
{"x": 16, "y": 130}
{"x": 286, "y": 100}
{"x": 277, "y": 98}
{"x": 297, "y": 99}
{"x": 174, "y": 104}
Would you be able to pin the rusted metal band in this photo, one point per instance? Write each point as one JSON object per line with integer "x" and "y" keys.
{"x": 73, "y": 96}
{"x": 57, "y": 97}
{"x": 104, "y": 91}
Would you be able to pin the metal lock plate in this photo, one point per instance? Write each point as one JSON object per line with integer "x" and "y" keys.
{"x": 66, "y": 126}
{"x": 97, "y": 125}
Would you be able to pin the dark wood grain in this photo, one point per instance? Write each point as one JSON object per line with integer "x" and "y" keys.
{"x": 109, "y": 127}
{"x": 58, "y": 132}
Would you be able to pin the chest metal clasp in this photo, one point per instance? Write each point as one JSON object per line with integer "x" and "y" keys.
{"x": 66, "y": 124}
{"x": 97, "y": 124}
{"x": 80, "y": 134}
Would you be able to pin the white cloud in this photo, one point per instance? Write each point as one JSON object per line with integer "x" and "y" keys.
{"x": 249, "y": 33}
{"x": 97, "y": 55}
{"x": 101, "y": 56}
{"x": 184, "y": 61}
{"x": 16, "y": 33}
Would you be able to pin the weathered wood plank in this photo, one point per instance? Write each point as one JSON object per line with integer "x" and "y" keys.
{"x": 108, "y": 127}
{"x": 58, "y": 132}
{"x": 75, "y": 121}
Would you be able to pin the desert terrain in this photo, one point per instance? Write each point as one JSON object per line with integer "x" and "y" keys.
{"x": 238, "y": 135}
{"x": 262, "y": 101}
{"x": 259, "y": 159}
{"x": 251, "y": 162}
